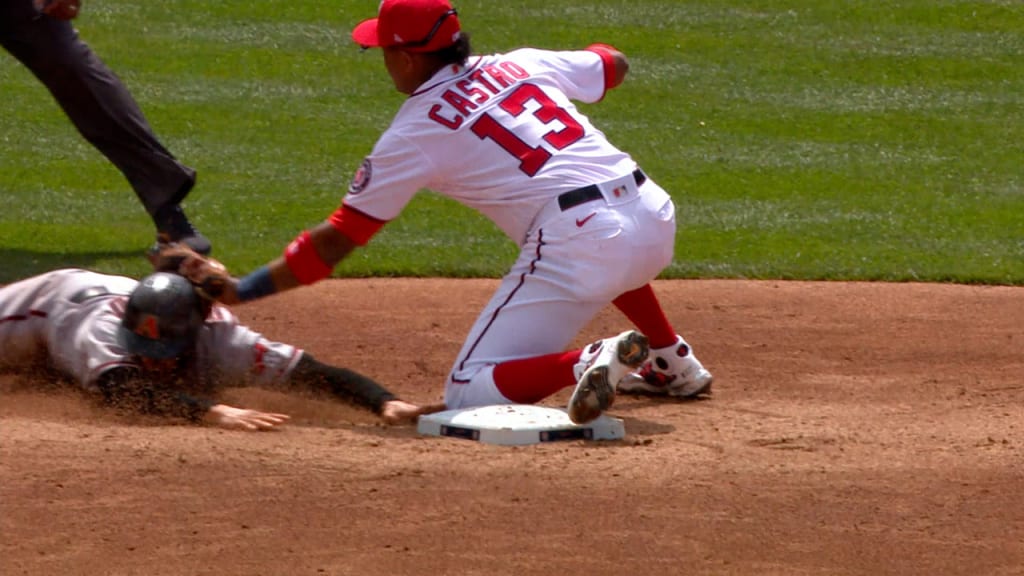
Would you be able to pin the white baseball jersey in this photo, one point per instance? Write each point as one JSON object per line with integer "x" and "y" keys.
{"x": 500, "y": 135}
{"x": 69, "y": 318}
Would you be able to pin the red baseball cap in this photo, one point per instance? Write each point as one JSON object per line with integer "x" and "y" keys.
{"x": 415, "y": 25}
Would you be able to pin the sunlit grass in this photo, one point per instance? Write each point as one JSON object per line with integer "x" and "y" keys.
{"x": 824, "y": 139}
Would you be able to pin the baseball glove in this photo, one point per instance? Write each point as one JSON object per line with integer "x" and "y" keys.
{"x": 207, "y": 275}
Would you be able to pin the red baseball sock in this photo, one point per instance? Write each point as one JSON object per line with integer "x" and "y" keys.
{"x": 530, "y": 380}
{"x": 642, "y": 308}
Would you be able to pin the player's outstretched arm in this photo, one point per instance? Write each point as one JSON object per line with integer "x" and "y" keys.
{"x": 402, "y": 412}
{"x": 308, "y": 259}
{"x": 127, "y": 389}
{"x": 355, "y": 388}
{"x": 234, "y": 418}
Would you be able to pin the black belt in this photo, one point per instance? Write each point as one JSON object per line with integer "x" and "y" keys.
{"x": 574, "y": 198}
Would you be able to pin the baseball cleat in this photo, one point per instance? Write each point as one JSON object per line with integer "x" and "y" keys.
{"x": 173, "y": 226}
{"x": 615, "y": 358}
{"x": 670, "y": 371}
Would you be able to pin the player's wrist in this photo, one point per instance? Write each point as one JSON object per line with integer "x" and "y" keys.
{"x": 213, "y": 414}
{"x": 305, "y": 263}
{"x": 257, "y": 284}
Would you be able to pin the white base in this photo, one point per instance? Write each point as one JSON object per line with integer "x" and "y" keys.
{"x": 517, "y": 425}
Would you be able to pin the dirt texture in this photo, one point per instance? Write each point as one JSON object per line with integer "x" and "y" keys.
{"x": 855, "y": 428}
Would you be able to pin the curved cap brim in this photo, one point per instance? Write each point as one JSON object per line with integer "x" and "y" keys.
{"x": 365, "y": 34}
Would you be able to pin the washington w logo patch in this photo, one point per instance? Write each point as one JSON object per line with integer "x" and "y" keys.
{"x": 361, "y": 179}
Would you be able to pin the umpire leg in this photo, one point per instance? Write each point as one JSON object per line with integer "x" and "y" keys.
{"x": 103, "y": 111}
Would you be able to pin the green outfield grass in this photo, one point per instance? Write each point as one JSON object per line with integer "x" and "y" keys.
{"x": 800, "y": 139}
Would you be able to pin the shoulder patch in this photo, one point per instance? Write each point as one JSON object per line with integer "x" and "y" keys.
{"x": 361, "y": 179}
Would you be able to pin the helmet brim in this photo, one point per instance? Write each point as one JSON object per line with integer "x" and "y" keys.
{"x": 148, "y": 348}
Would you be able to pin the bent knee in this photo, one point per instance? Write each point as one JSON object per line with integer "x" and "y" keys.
{"x": 470, "y": 390}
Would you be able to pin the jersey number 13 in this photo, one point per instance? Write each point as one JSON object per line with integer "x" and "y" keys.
{"x": 531, "y": 158}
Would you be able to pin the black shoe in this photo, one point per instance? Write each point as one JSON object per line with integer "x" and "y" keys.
{"x": 173, "y": 226}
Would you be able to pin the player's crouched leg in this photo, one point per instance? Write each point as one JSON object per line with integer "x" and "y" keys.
{"x": 469, "y": 390}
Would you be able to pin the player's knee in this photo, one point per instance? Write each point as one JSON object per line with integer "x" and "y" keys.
{"x": 469, "y": 389}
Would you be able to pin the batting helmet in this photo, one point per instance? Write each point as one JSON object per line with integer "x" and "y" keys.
{"x": 162, "y": 318}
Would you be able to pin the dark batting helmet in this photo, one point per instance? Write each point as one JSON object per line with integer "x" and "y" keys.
{"x": 162, "y": 318}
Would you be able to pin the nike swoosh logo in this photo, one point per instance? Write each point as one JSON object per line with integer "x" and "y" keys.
{"x": 581, "y": 221}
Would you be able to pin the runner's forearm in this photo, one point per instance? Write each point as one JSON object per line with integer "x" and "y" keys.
{"x": 342, "y": 383}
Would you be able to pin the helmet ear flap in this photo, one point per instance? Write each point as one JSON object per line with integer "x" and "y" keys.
{"x": 163, "y": 317}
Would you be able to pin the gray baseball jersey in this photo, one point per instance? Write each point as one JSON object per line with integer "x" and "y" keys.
{"x": 69, "y": 319}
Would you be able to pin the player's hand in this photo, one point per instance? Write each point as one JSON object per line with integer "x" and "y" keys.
{"x": 233, "y": 418}
{"x": 59, "y": 9}
{"x": 401, "y": 412}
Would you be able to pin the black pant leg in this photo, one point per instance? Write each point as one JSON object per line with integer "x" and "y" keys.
{"x": 96, "y": 101}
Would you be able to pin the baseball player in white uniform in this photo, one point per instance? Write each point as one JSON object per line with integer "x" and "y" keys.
{"x": 154, "y": 346}
{"x": 501, "y": 134}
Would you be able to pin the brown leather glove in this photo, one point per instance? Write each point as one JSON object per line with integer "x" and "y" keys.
{"x": 206, "y": 274}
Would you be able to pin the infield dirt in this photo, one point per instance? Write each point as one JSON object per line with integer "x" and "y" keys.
{"x": 855, "y": 428}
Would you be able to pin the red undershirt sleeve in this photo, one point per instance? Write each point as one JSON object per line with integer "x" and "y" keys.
{"x": 357, "y": 226}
